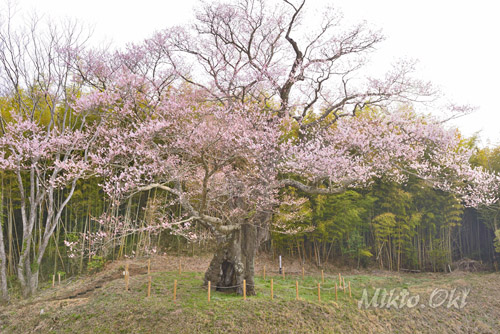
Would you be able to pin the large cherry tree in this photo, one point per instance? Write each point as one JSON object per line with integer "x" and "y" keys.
{"x": 224, "y": 114}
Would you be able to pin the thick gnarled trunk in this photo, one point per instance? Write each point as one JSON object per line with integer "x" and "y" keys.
{"x": 233, "y": 261}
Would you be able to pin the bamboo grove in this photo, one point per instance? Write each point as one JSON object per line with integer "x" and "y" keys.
{"x": 389, "y": 226}
{"x": 396, "y": 227}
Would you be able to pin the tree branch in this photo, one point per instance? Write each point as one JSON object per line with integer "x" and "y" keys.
{"x": 315, "y": 190}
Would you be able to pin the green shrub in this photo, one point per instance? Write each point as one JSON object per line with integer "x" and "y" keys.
{"x": 95, "y": 264}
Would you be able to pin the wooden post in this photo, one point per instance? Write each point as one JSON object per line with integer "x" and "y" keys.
{"x": 283, "y": 272}
{"x": 264, "y": 272}
{"x": 149, "y": 286}
{"x": 272, "y": 293}
{"x": 343, "y": 283}
{"x": 335, "y": 291}
{"x": 53, "y": 280}
{"x": 126, "y": 277}
{"x": 175, "y": 290}
{"x": 209, "y": 284}
{"x": 322, "y": 277}
{"x": 244, "y": 289}
{"x": 302, "y": 272}
{"x": 180, "y": 266}
{"x": 59, "y": 278}
{"x": 297, "y": 290}
{"x": 149, "y": 266}
{"x": 319, "y": 292}
{"x": 350, "y": 296}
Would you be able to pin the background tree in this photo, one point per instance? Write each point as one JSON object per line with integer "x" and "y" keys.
{"x": 43, "y": 143}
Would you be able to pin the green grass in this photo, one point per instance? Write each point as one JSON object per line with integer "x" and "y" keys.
{"x": 114, "y": 310}
{"x": 191, "y": 293}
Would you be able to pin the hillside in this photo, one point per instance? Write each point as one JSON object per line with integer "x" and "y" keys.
{"x": 100, "y": 304}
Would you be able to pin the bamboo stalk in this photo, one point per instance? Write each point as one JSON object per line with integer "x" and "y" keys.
{"x": 209, "y": 284}
{"x": 322, "y": 277}
{"x": 149, "y": 266}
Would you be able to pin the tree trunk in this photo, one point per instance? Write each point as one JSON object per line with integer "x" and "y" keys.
{"x": 3, "y": 263}
{"x": 4, "y": 295}
{"x": 233, "y": 261}
{"x": 24, "y": 275}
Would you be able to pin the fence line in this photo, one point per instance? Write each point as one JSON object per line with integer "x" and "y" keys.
{"x": 216, "y": 287}
{"x": 244, "y": 285}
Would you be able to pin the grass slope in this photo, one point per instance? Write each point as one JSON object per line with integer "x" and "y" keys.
{"x": 111, "y": 309}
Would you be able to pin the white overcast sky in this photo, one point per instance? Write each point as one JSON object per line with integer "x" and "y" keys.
{"x": 456, "y": 42}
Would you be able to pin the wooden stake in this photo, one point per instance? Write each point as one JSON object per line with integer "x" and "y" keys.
{"x": 297, "y": 290}
{"x": 272, "y": 293}
{"x": 322, "y": 277}
{"x": 149, "y": 266}
{"x": 319, "y": 292}
{"x": 59, "y": 277}
{"x": 264, "y": 272}
{"x": 343, "y": 283}
{"x": 244, "y": 289}
{"x": 149, "y": 286}
{"x": 175, "y": 290}
{"x": 53, "y": 280}
{"x": 209, "y": 284}
{"x": 335, "y": 291}
{"x": 302, "y": 272}
{"x": 283, "y": 272}
{"x": 126, "y": 277}
{"x": 350, "y": 296}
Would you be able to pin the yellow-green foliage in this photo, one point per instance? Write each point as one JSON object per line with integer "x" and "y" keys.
{"x": 497, "y": 241}
{"x": 384, "y": 226}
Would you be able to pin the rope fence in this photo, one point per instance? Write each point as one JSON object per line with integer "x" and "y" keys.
{"x": 339, "y": 284}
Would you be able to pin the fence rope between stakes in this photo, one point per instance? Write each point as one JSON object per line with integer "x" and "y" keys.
{"x": 140, "y": 278}
{"x": 179, "y": 284}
